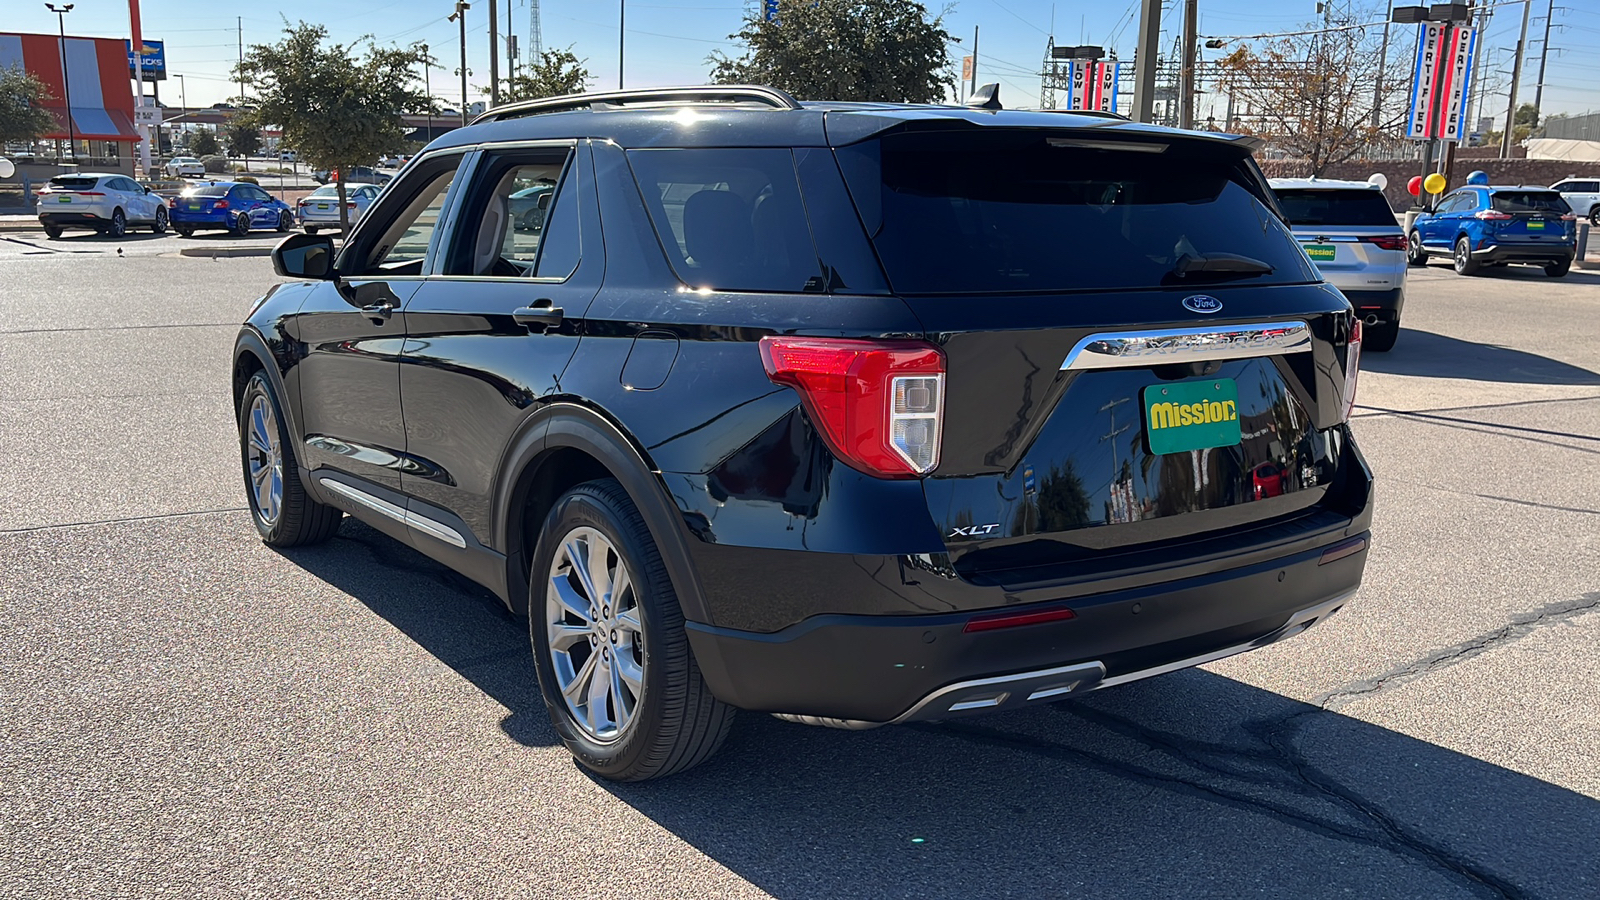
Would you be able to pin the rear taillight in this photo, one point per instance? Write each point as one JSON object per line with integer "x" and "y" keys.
{"x": 1491, "y": 215}
{"x": 350, "y": 205}
{"x": 1388, "y": 241}
{"x": 220, "y": 204}
{"x": 1352, "y": 366}
{"x": 172, "y": 202}
{"x": 878, "y": 404}
{"x": 1569, "y": 217}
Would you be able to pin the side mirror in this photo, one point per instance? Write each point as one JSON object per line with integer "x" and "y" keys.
{"x": 544, "y": 200}
{"x": 304, "y": 256}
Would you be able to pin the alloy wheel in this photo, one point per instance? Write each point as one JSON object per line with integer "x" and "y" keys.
{"x": 119, "y": 223}
{"x": 595, "y": 634}
{"x": 265, "y": 459}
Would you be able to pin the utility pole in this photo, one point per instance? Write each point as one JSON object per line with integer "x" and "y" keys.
{"x": 1544, "y": 56}
{"x": 241, "y": 62}
{"x": 61, "y": 24}
{"x": 1144, "y": 77}
{"x": 1186, "y": 102}
{"x": 460, "y": 16}
{"x": 973, "y": 87}
{"x": 136, "y": 41}
{"x": 1516, "y": 76}
{"x": 622, "y": 37}
{"x": 1474, "y": 102}
{"x": 1383, "y": 60}
{"x": 494, "y": 57}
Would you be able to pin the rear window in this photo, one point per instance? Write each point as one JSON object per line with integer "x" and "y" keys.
{"x": 1034, "y": 211}
{"x": 327, "y": 190}
{"x": 73, "y": 182}
{"x": 1306, "y": 206}
{"x": 1529, "y": 201}
{"x": 210, "y": 190}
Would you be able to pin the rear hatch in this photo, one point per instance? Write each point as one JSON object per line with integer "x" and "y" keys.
{"x": 1529, "y": 216}
{"x": 203, "y": 200}
{"x": 68, "y": 191}
{"x": 1138, "y": 353}
{"x": 1350, "y": 234}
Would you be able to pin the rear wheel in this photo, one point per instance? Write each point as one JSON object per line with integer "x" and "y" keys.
{"x": 119, "y": 224}
{"x": 614, "y": 664}
{"x": 1559, "y": 268}
{"x": 1415, "y": 255}
{"x": 284, "y": 513}
{"x": 184, "y": 230}
{"x": 241, "y": 224}
{"x": 1380, "y": 338}
{"x": 1464, "y": 263}
{"x": 53, "y": 232}
{"x": 1594, "y": 215}
{"x": 160, "y": 226}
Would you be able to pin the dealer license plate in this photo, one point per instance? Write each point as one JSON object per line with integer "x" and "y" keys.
{"x": 1535, "y": 224}
{"x": 1321, "y": 252}
{"x": 1191, "y": 415}
{"x": 322, "y": 206}
{"x": 64, "y": 200}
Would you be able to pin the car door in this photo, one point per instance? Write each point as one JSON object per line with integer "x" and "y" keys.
{"x": 491, "y": 333}
{"x": 131, "y": 196}
{"x": 1438, "y": 231}
{"x": 350, "y": 333}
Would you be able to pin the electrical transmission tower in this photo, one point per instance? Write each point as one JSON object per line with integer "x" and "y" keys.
{"x": 535, "y": 39}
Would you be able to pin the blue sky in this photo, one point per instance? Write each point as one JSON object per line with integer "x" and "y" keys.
{"x": 667, "y": 43}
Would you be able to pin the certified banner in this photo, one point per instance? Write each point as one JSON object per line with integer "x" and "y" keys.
{"x": 1440, "y": 80}
{"x": 1456, "y": 77}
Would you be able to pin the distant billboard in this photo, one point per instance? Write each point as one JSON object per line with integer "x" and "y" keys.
{"x": 155, "y": 60}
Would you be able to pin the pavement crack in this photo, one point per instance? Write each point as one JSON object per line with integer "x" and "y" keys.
{"x": 1518, "y": 628}
{"x": 91, "y": 522}
{"x": 1431, "y": 417}
{"x": 1372, "y": 412}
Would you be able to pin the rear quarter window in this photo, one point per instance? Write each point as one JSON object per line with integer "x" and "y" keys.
{"x": 1335, "y": 207}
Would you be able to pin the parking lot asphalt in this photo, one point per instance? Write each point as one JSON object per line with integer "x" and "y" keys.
{"x": 188, "y": 713}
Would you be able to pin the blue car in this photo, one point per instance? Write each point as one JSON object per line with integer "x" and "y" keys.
{"x": 1484, "y": 225}
{"x": 233, "y": 206}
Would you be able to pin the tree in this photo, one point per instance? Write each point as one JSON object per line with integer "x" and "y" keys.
{"x": 889, "y": 50}
{"x": 339, "y": 105}
{"x": 204, "y": 143}
{"x": 244, "y": 137}
{"x": 22, "y": 113}
{"x": 553, "y": 74}
{"x": 1313, "y": 95}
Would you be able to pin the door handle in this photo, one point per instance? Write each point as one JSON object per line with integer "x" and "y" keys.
{"x": 537, "y": 315}
{"x": 378, "y": 312}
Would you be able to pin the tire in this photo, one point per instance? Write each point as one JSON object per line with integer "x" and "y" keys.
{"x": 1415, "y": 254}
{"x": 119, "y": 224}
{"x": 184, "y": 230}
{"x": 54, "y": 232}
{"x": 160, "y": 226}
{"x": 674, "y": 722}
{"x": 311, "y": 229}
{"x": 1380, "y": 338}
{"x": 1594, "y": 215}
{"x": 1464, "y": 263}
{"x": 285, "y": 221}
{"x": 241, "y": 224}
{"x": 284, "y": 513}
{"x": 1559, "y": 268}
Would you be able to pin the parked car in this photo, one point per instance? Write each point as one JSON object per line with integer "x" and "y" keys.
{"x": 99, "y": 201}
{"x": 361, "y": 174}
{"x": 529, "y": 205}
{"x": 228, "y": 206}
{"x": 732, "y": 434}
{"x": 288, "y": 155}
{"x": 1583, "y": 195}
{"x": 320, "y": 208}
{"x": 1351, "y": 234}
{"x": 184, "y": 167}
{"x": 1481, "y": 225}
{"x": 394, "y": 160}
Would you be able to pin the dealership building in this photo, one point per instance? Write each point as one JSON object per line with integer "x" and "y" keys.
{"x": 95, "y": 74}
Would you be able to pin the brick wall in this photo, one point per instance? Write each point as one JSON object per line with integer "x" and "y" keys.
{"x": 1539, "y": 172}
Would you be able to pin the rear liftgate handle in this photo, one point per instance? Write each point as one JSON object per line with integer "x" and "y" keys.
{"x": 540, "y": 314}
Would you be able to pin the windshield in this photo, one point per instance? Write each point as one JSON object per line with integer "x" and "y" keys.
{"x": 1033, "y": 211}
{"x": 1335, "y": 207}
{"x": 1530, "y": 201}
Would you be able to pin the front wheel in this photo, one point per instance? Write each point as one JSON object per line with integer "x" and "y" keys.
{"x": 1594, "y": 215}
{"x": 1559, "y": 268}
{"x": 241, "y": 224}
{"x": 285, "y": 221}
{"x": 620, "y": 683}
{"x": 284, "y": 513}
{"x": 1464, "y": 263}
{"x": 160, "y": 226}
{"x": 1415, "y": 255}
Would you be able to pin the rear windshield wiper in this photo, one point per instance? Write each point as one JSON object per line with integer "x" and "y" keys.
{"x": 1219, "y": 264}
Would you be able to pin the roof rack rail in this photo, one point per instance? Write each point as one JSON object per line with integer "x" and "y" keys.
{"x": 728, "y": 93}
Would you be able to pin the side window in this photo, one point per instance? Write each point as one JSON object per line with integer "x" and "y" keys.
{"x": 127, "y": 184}
{"x": 408, "y": 218}
{"x": 511, "y": 216}
{"x": 1460, "y": 203}
{"x": 730, "y": 219}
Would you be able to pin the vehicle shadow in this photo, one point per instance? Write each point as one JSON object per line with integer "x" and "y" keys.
{"x": 1189, "y": 785}
{"x": 1425, "y": 353}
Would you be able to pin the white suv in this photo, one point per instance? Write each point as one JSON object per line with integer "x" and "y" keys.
{"x": 1583, "y": 195}
{"x": 1349, "y": 231}
{"x": 103, "y": 202}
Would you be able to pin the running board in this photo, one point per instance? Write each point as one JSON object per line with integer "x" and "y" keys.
{"x": 414, "y": 521}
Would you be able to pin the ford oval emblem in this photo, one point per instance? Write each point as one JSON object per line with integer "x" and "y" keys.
{"x": 1200, "y": 303}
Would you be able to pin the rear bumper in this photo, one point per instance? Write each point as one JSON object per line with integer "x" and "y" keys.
{"x": 82, "y": 218}
{"x": 1532, "y": 253}
{"x": 193, "y": 220}
{"x": 1386, "y": 305}
{"x": 856, "y": 671}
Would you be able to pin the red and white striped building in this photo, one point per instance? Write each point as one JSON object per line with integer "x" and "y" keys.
{"x": 101, "y": 85}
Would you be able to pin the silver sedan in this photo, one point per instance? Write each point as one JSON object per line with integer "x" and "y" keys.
{"x": 320, "y": 209}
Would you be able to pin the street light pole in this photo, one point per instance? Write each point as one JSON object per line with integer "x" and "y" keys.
{"x": 622, "y": 37}
{"x": 460, "y": 15}
{"x": 61, "y": 23}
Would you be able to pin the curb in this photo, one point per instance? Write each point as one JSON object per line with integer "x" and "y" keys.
{"x": 225, "y": 252}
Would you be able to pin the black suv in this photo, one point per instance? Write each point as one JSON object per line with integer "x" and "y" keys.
{"x": 854, "y": 413}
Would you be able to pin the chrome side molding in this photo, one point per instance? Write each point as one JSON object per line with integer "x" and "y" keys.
{"x": 406, "y": 517}
{"x": 1129, "y": 349}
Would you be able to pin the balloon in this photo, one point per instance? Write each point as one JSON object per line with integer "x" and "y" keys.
{"x": 1434, "y": 183}
{"x": 1415, "y": 185}
{"x": 1478, "y": 176}
{"x": 7, "y": 169}
{"x": 1379, "y": 179}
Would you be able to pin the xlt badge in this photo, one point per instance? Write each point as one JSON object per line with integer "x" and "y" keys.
{"x": 974, "y": 530}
